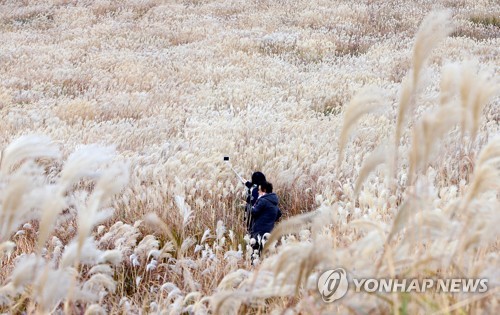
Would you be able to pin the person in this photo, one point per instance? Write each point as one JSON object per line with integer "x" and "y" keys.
{"x": 258, "y": 178}
{"x": 265, "y": 213}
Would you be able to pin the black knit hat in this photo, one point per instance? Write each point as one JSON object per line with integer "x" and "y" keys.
{"x": 258, "y": 178}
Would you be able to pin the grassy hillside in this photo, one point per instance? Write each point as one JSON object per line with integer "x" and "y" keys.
{"x": 376, "y": 121}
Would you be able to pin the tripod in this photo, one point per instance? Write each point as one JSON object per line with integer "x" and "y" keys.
{"x": 248, "y": 208}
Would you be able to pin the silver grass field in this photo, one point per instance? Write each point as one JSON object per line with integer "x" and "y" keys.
{"x": 376, "y": 121}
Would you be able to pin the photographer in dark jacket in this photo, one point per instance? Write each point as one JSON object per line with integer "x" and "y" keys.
{"x": 258, "y": 178}
{"x": 265, "y": 213}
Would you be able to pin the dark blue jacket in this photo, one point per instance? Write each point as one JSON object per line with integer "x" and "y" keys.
{"x": 265, "y": 213}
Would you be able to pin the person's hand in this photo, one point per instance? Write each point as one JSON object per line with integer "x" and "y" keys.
{"x": 248, "y": 184}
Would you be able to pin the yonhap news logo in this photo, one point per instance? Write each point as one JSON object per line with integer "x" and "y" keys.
{"x": 333, "y": 285}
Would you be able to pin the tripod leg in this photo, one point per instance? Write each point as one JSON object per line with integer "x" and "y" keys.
{"x": 248, "y": 211}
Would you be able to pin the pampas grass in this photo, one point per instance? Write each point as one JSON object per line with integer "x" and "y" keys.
{"x": 486, "y": 173}
{"x": 364, "y": 102}
{"x": 51, "y": 199}
{"x": 27, "y": 147}
{"x": 375, "y": 159}
{"x": 427, "y": 131}
{"x": 435, "y": 27}
{"x": 111, "y": 141}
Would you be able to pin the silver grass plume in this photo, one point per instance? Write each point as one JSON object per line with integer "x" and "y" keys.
{"x": 111, "y": 182}
{"x": 475, "y": 92}
{"x": 486, "y": 173}
{"x": 52, "y": 203}
{"x": 184, "y": 209}
{"x": 27, "y": 147}
{"x": 6, "y": 247}
{"x": 448, "y": 83}
{"x": 490, "y": 154}
{"x": 154, "y": 220}
{"x": 84, "y": 163}
{"x": 11, "y": 208}
{"x": 427, "y": 131}
{"x": 434, "y": 28}
{"x": 25, "y": 271}
{"x": 24, "y": 185}
{"x": 366, "y": 101}
{"x": 375, "y": 159}
{"x": 291, "y": 225}
{"x": 50, "y": 287}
